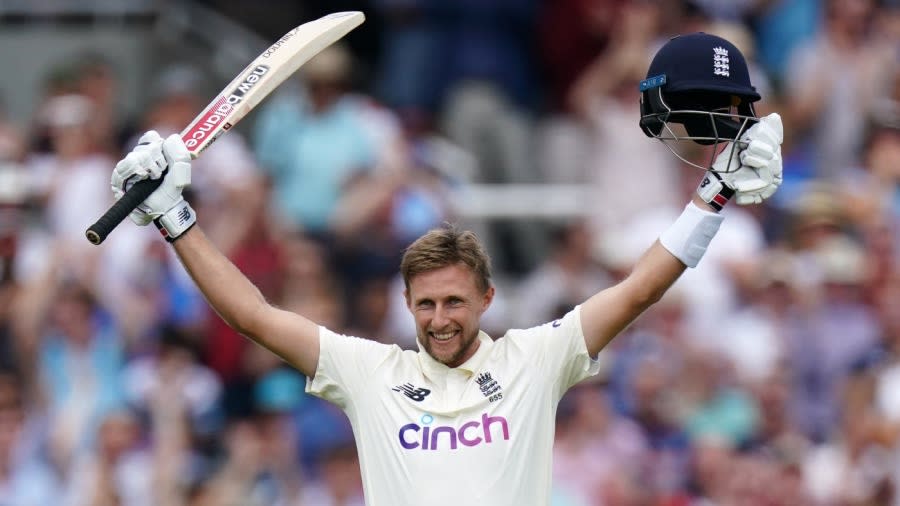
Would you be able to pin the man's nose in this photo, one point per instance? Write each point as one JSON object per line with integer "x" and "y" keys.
{"x": 440, "y": 318}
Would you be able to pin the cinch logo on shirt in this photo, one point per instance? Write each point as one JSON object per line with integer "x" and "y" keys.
{"x": 441, "y": 437}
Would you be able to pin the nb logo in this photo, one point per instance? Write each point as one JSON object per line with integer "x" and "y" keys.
{"x": 705, "y": 182}
{"x": 416, "y": 394}
{"x": 184, "y": 215}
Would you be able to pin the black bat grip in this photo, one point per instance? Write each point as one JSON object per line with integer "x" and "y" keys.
{"x": 139, "y": 192}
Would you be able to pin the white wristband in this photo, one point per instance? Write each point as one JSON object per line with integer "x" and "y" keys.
{"x": 688, "y": 238}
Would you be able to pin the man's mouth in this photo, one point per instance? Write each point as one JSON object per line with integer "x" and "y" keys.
{"x": 443, "y": 336}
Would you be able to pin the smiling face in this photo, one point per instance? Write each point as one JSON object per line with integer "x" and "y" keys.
{"x": 447, "y": 305}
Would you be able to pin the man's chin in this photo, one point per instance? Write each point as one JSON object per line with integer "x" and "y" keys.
{"x": 449, "y": 353}
{"x": 442, "y": 356}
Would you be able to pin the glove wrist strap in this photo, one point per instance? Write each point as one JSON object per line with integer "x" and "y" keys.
{"x": 714, "y": 191}
{"x": 176, "y": 221}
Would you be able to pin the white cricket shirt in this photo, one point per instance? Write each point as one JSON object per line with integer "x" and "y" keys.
{"x": 478, "y": 434}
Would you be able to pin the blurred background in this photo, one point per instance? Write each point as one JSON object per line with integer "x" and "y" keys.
{"x": 769, "y": 375}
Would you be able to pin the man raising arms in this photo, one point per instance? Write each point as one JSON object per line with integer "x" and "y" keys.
{"x": 468, "y": 419}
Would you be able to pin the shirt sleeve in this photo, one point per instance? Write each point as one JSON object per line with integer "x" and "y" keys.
{"x": 345, "y": 366}
{"x": 558, "y": 350}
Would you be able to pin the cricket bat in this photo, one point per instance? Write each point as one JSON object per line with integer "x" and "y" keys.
{"x": 248, "y": 89}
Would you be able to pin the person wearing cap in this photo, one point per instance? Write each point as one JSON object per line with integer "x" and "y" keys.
{"x": 469, "y": 419}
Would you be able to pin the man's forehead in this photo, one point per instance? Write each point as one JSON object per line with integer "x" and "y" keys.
{"x": 446, "y": 279}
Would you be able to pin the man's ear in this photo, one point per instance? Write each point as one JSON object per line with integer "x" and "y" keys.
{"x": 488, "y": 297}
{"x": 406, "y": 296}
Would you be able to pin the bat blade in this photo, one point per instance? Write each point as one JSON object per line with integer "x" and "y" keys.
{"x": 239, "y": 97}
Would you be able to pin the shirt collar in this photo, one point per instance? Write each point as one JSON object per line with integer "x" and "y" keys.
{"x": 432, "y": 367}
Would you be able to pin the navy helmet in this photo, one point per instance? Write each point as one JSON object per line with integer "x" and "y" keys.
{"x": 702, "y": 82}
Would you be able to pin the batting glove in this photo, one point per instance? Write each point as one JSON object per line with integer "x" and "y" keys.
{"x": 759, "y": 163}
{"x": 152, "y": 158}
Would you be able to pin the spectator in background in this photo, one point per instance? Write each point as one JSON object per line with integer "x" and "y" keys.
{"x": 572, "y": 33}
{"x": 650, "y": 405}
{"x": 777, "y": 436}
{"x": 594, "y": 444}
{"x": 70, "y": 178}
{"x": 278, "y": 395}
{"x": 80, "y": 363}
{"x": 487, "y": 48}
{"x": 340, "y": 483}
{"x": 816, "y": 216}
{"x": 858, "y": 462}
{"x": 238, "y": 479}
{"x": 116, "y": 471}
{"x": 75, "y": 353}
{"x": 312, "y": 143}
{"x": 711, "y": 466}
{"x": 97, "y": 78}
{"x": 308, "y": 283}
{"x": 25, "y": 479}
{"x": 59, "y": 80}
{"x": 837, "y": 331}
{"x": 620, "y": 161}
{"x": 756, "y": 345}
{"x": 173, "y": 370}
{"x": 410, "y": 41}
{"x": 872, "y": 191}
{"x": 569, "y": 274}
{"x": 780, "y": 26}
{"x": 709, "y": 402}
{"x": 872, "y": 196}
{"x": 826, "y": 106}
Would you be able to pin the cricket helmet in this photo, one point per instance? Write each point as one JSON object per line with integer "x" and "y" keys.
{"x": 700, "y": 81}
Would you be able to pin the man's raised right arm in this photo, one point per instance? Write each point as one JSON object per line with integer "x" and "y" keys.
{"x": 237, "y": 301}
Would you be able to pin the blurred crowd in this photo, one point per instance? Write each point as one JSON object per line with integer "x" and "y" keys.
{"x": 769, "y": 375}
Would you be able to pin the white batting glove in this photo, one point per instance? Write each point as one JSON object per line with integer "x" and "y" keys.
{"x": 759, "y": 163}
{"x": 153, "y": 158}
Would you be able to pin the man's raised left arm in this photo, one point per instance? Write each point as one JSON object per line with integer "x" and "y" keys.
{"x": 682, "y": 245}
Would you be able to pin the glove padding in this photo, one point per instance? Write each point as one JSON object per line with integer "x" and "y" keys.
{"x": 151, "y": 159}
{"x": 154, "y": 158}
{"x": 760, "y": 170}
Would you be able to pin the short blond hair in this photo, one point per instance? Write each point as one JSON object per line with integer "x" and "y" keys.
{"x": 443, "y": 247}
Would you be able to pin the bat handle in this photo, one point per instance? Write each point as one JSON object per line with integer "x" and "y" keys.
{"x": 139, "y": 192}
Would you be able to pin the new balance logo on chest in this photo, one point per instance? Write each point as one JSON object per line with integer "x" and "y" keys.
{"x": 414, "y": 393}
